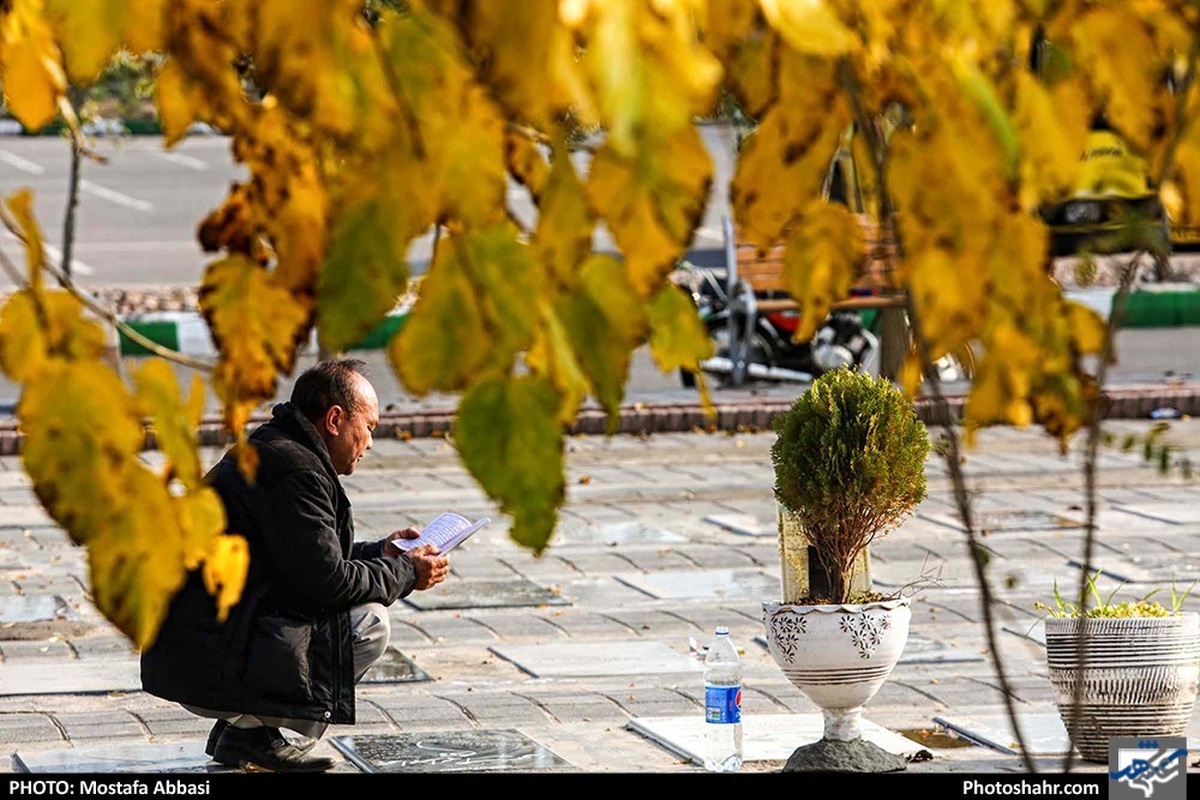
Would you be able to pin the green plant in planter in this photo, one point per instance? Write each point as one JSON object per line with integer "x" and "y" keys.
{"x": 1105, "y": 608}
{"x": 849, "y": 458}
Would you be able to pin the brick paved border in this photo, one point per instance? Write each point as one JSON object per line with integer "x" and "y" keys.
{"x": 646, "y": 418}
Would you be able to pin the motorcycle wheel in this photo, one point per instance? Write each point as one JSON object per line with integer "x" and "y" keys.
{"x": 759, "y": 352}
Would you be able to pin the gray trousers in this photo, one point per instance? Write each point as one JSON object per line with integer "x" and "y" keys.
{"x": 372, "y": 629}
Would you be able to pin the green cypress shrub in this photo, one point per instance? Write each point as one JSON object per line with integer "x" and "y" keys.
{"x": 849, "y": 458}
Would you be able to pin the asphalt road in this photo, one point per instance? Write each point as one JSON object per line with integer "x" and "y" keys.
{"x": 138, "y": 211}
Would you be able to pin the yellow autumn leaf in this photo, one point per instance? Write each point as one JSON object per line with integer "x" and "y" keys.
{"x": 224, "y": 571}
{"x": 678, "y": 337}
{"x": 1118, "y": 56}
{"x": 33, "y": 75}
{"x": 824, "y": 254}
{"x": 324, "y": 66}
{"x": 646, "y": 67}
{"x": 365, "y": 272}
{"x": 552, "y": 357}
{"x": 810, "y": 26}
{"x": 605, "y": 322}
{"x": 526, "y": 163}
{"x": 39, "y": 326}
{"x": 142, "y": 559}
{"x": 445, "y": 340}
{"x": 746, "y": 48}
{"x": 288, "y": 197}
{"x": 175, "y": 420}
{"x": 257, "y": 326}
{"x": 24, "y": 351}
{"x": 563, "y": 238}
{"x": 82, "y": 432}
{"x": 509, "y": 441}
{"x": 1052, "y": 124}
{"x": 532, "y": 65}
{"x": 1088, "y": 330}
{"x": 652, "y": 204}
{"x": 458, "y": 129}
{"x": 146, "y": 33}
{"x": 783, "y": 163}
{"x": 20, "y": 204}
{"x": 1181, "y": 193}
{"x": 176, "y": 99}
{"x": 508, "y": 281}
{"x": 90, "y": 33}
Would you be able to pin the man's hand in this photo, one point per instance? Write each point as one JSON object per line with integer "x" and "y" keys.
{"x": 431, "y": 568}
{"x": 389, "y": 547}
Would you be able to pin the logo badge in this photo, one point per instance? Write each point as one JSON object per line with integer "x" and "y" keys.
{"x": 1140, "y": 769}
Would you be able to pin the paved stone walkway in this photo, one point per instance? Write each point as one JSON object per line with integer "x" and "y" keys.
{"x": 587, "y": 651}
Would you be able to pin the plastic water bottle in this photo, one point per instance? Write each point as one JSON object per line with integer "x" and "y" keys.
{"x": 722, "y": 705}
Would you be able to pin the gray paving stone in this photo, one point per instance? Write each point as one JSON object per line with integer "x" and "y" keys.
{"x": 120, "y": 758}
{"x": 582, "y": 660}
{"x": 497, "y": 750}
{"x": 42, "y": 607}
{"x": 28, "y": 728}
{"x": 484, "y": 594}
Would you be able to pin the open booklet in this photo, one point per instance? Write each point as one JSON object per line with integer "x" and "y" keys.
{"x": 446, "y": 531}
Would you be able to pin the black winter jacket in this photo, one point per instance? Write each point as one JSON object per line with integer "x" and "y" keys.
{"x": 285, "y": 649}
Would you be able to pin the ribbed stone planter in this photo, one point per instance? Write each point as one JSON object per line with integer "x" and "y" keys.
{"x": 838, "y": 655}
{"x": 1140, "y": 677}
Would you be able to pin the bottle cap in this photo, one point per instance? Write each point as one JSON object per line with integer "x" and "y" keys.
{"x": 722, "y": 630}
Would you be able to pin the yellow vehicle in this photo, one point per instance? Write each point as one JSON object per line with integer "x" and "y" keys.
{"x": 1114, "y": 207}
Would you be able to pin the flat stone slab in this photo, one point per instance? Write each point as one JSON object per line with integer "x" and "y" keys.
{"x": 100, "y": 676}
{"x": 1044, "y": 732}
{"x": 508, "y": 593}
{"x": 713, "y": 584}
{"x": 1183, "y": 569}
{"x": 1005, "y": 521}
{"x": 616, "y": 533}
{"x": 395, "y": 667}
{"x": 79, "y": 677}
{"x": 504, "y": 750}
{"x": 116, "y": 758}
{"x": 765, "y": 737}
{"x": 592, "y": 660}
{"x": 1174, "y": 513}
{"x": 743, "y": 524}
{"x": 36, "y": 608}
{"x": 25, "y": 517}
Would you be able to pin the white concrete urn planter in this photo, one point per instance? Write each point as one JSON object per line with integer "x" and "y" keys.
{"x": 1140, "y": 677}
{"x": 838, "y": 655}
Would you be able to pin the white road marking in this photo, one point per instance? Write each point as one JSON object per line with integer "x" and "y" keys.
{"x": 77, "y": 267}
{"x": 115, "y": 197}
{"x": 23, "y": 164}
{"x": 129, "y": 247}
{"x": 182, "y": 160}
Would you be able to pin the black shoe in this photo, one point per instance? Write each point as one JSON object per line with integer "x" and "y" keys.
{"x": 265, "y": 748}
{"x": 210, "y": 747}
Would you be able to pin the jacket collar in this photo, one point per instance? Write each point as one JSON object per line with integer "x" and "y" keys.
{"x": 287, "y": 419}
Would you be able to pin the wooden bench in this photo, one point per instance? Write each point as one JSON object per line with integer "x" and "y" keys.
{"x": 754, "y": 285}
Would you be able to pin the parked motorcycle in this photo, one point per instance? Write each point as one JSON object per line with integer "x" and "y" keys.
{"x": 769, "y": 354}
{"x": 769, "y": 350}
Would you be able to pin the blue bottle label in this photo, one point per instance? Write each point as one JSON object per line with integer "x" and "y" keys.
{"x": 723, "y": 704}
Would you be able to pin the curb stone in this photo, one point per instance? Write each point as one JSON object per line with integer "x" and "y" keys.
{"x": 643, "y": 419}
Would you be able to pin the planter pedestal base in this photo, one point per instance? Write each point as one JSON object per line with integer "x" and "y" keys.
{"x": 856, "y": 755}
